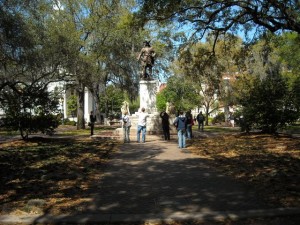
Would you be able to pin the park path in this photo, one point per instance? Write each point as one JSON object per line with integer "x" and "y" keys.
{"x": 158, "y": 181}
{"x": 157, "y": 177}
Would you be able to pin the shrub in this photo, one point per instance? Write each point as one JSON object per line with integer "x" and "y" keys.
{"x": 219, "y": 118}
{"x": 268, "y": 105}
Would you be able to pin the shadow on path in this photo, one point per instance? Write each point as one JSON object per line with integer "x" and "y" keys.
{"x": 158, "y": 178}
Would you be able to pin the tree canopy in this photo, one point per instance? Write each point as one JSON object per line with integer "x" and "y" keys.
{"x": 225, "y": 15}
{"x": 88, "y": 43}
{"x": 94, "y": 44}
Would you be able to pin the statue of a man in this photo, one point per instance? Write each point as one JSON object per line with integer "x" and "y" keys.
{"x": 125, "y": 108}
{"x": 168, "y": 107}
{"x": 147, "y": 55}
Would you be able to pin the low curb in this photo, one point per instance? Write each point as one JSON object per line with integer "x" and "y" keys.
{"x": 133, "y": 218}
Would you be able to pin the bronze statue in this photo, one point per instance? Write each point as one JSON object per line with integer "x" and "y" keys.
{"x": 147, "y": 55}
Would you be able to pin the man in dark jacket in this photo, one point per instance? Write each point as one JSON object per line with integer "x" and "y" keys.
{"x": 180, "y": 123}
{"x": 189, "y": 122}
{"x": 200, "y": 119}
{"x": 165, "y": 125}
{"x": 92, "y": 122}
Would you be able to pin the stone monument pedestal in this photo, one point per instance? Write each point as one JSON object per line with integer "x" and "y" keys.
{"x": 148, "y": 91}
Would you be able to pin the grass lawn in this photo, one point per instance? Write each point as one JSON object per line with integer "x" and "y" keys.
{"x": 219, "y": 129}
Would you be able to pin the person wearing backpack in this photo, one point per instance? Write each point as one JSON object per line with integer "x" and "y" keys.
{"x": 126, "y": 127}
{"x": 200, "y": 119}
{"x": 181, "y": 125}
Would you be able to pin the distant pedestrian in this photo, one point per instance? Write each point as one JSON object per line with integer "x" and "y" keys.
{"x": 92, "y": 122}
{"x": 180, "y": 123}
{"x": 165, "y": 125}
{"x": 126, "y": 127}
{"x": 189, "y": 124}
{"x": 141, "y": 125}
{"x": 242, "y": 123}
{"x": 231, "y": 119}
{"x": 200, "y": 119}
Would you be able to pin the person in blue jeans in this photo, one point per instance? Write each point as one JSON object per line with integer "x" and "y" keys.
{"x": 181, "y": 125}
{"x": 126, "y": 127}
{"x": 141, "y": 125}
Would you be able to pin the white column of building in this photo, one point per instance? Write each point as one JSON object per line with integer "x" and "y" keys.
{"x": 65, "y": 105}
{"x": 88, "y": 104}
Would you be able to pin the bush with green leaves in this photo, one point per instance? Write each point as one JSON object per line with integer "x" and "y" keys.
{"x": 28, "y": 124}
{"x": 219, "y": 118}
{"x": 67, "y": 121}
{"x": 180, "y": 92}
{"x": 268, "y": 105}
{"x": 72, "y": 105}
{"x": 161, "y": 101}
{"x": 30, "y": 109}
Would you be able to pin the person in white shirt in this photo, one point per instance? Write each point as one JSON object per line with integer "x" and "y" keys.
{"x": 141, "y": 125}
{"x": 126, "y": 127}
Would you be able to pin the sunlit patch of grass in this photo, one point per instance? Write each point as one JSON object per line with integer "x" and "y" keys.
{"x": 219, "y": 129}
{"x": 71, "y": 130}
{"x": 292, "y": 129}
{"x": 7, "y": 132}
{"x": 17, "y": 144}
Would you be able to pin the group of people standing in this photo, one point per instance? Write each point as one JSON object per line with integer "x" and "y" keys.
{"x": 182, "y": 122}
{"x": 141, "y": 126}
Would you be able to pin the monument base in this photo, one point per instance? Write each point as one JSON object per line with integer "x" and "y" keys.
{"x": 148, "y": 91}
{"x": 154, "y": 126}
{"x": 153, "y": 123}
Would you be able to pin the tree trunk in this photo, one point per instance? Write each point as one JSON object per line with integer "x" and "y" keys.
{"x": 206, "y": 115}
{"x": 98, "y": 90}
{"x": 226, "y": 113}
{"x": 80, "y": 107}
{"x": 96, "y": 98}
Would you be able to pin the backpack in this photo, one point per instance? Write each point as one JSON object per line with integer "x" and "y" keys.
{"x": 200, "y": 117}
{"x": 189, "y": 119}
